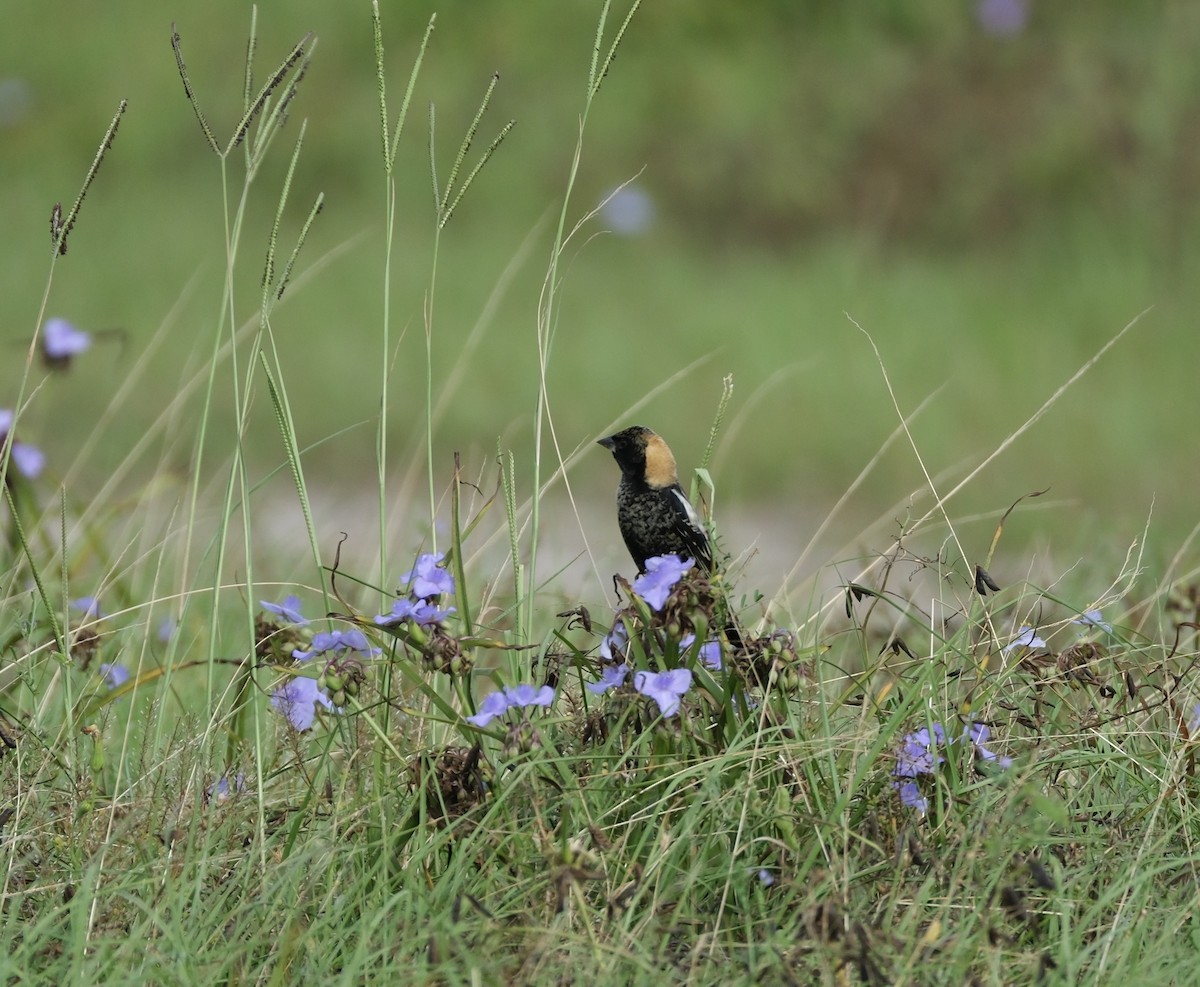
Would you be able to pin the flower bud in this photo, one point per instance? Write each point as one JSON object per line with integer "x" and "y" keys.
{"x": 522, "y": 737}
{"x": 787, "y": 678}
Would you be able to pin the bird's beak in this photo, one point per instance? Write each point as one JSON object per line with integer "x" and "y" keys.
{"x": 607, "y": 442}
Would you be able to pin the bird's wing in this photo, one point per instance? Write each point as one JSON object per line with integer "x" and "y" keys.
{"x": 691, "y": 529}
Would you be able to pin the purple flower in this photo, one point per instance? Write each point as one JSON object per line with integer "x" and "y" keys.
{"x": 529, "y": 695}
{"x": 1091, "y": 618}
{"x": 610, "y": 677}
{"x": 417, "y": 611}
{"x": 494, "y": 704}
{"x": 918, "y": 752}
{"x": 709, "y": 654}
{"x": 403, "y": 609}
{"x": 115, "y": 675}
{"x": 978, "y": 732}
{"x": 222, "y": 791}
{"x": 297, "y": 700}
{"x": 1002, "y": 18}
{"x": 661, "y": 575}
{"x": 616, "y": 643}
{"x": 1026, "y": 638}
{"x": 61, "y": 341}
{"x": 918, "y": 755}
{"x": 326, "y": 641}
{"x": 428, "y": 614}
{"x": 29, "y": 460}
{"x": 765, "y": 877}
{"x": 166, "y": 628}
{"x": 289, "y": 609}
{"x": 515, "y": 697}
{"x": 628, "y": 210}
{"x": 665, "y": 688}
{"x": 89, "y": 606}
{"x": 428, "y": 578}
{"x": 910, "y": 796}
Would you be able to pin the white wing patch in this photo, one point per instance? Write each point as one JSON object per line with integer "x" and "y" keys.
{"x": 690, "y": 511}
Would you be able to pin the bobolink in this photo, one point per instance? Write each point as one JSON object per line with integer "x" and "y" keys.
{"x": 652, "y": 511}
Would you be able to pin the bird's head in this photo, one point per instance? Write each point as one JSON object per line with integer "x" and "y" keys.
{"x": 643, "y": 455}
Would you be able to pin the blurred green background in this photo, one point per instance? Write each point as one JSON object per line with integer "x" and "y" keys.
{"x": 991, "y": 190}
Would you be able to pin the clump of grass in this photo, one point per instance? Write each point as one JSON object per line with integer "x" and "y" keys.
{"x": 942, "y": 773}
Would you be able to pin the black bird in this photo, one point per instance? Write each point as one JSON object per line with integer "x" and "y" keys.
{"x": 652, "y": 510}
